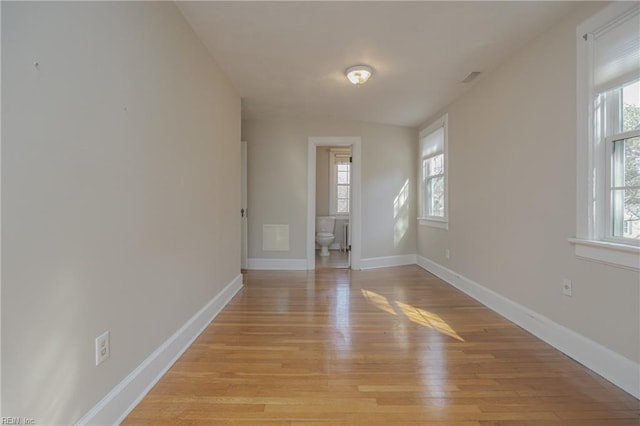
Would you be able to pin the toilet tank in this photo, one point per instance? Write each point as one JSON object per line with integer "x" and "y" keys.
{"x": 325, "y": 224}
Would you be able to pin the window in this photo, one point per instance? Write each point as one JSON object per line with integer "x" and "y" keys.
{"x": 433, "y": 182}
{"x": 340, "y": 188}
{"x": 609, "y": 136}
{"x": 433, "y": 174}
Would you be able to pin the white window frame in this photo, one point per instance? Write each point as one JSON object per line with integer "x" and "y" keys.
{"x": 593, "y": 240}
{"x": 424, "y": 219}
{"x": 333, "y": 183}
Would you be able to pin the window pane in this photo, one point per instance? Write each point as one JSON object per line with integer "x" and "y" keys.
{"x": 626, "y": 213}
{"x": 435, "y": 191}
{"x": 343, "y": 177}
{"x": 631, "y": 107}
{"x": 343, "y": 191}
{"x": 625, "y": 201}
{"x": 626, "y": 162}
{"x": 436, "y": 165}
{"x": 341, "y": 180}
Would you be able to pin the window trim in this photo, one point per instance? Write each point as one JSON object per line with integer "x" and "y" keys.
{"x": 441, "y": 222}
{"x": 591, "y": 242}
{"x": 333, "y": 193}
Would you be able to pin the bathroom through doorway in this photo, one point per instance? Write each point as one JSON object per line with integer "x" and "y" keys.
{"x": 333, "y": 206}
{"x": 333, "y": 228}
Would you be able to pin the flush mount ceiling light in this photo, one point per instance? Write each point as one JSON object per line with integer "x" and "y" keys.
{"x": 358, "y": 74}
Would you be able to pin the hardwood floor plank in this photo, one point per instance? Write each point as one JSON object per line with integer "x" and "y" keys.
{"x": 388, "y": 346}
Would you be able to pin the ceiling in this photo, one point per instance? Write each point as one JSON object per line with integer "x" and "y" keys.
{"x": 287, "y": 59}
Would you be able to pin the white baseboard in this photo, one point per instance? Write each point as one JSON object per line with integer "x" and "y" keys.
{"x": 123, "y": 398}
{"x": 277, "y": 264}
{"x": 333, "y": 246}
{"x": 386, "y": 261}
{"x": 619, "y": 370}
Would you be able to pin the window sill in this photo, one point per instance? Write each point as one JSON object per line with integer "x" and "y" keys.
{"x": 614, "y": 254}
{"x": 434, "y": 223}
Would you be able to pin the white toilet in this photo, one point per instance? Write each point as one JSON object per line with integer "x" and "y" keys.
{"x": 324, "y": 233}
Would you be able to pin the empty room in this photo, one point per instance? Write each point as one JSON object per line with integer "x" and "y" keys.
{"x": 320, "y": 212}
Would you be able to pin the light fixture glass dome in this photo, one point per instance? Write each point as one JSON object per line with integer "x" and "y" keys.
{"x": 358, "y": 74}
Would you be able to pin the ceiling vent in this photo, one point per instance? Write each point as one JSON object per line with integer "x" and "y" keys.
{"x": 471, "y": 77}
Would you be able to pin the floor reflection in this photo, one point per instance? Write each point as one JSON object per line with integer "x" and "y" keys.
{"x": 336, "y": 259}
{"x": 343, "y": 312}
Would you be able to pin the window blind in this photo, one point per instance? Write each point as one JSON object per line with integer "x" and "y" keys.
{"x": 616, "y": 52}
{"x": 433, "y": 142}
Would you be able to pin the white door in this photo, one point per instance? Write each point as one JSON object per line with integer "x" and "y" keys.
{"x": 243, "y": 208}
{"x": 350, "y": 223}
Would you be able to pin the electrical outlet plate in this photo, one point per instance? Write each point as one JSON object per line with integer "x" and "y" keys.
{"x": 567, "y": 287}
{"x": 102, "y": 348}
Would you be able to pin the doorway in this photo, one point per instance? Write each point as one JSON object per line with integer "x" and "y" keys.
{"x": 333, "y": 206}
{"x": 353, "y": 143}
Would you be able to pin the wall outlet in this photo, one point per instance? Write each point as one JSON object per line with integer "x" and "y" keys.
{"x": 102, "y": 347}
{"x": 447, "y": 253}
{"x": 567, "y": 287}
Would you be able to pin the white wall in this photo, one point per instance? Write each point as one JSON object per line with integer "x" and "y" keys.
{"x": 120, "y": 186}
{"x": 512, "y": 147}
{"x": 277, "y": 182}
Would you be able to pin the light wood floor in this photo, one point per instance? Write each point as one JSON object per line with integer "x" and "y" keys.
{"x": 392, "y": 346}
{"x": 336, "y": 259}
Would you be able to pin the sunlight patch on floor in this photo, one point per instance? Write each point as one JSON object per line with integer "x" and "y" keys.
{"x": 428, "y": 319}
{"x": 413, "y": 314}
{"x": 378, "y": 301}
